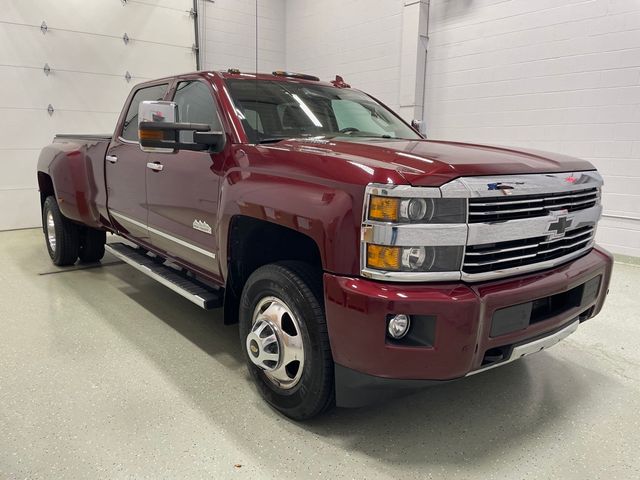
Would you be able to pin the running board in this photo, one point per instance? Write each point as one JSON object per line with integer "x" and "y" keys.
{"x": 190, "y": 288}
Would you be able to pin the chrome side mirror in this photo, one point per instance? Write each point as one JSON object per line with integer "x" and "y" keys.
{"x": 157, "y": 112}
{"x": 159, "y": 131}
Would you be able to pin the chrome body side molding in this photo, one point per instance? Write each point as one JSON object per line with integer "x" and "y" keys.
{"x": 177, "y": 240}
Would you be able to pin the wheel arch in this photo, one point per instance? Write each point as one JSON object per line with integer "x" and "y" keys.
{"x": 253, "y": 243}
{"x": 45, "y": 186}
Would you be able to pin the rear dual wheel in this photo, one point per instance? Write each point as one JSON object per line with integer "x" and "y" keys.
{"x": 67, "y": 241}
{"x": 284, "y": 338}
{"x": 92, "y": 243}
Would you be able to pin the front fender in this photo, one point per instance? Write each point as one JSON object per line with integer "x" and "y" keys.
{"x": 324, "y": 213}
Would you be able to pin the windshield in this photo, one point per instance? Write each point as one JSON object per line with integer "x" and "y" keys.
{"x": 275, "y": 110}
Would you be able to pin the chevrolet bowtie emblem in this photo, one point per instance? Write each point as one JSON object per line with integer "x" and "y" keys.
{"x": 559, "y": 226}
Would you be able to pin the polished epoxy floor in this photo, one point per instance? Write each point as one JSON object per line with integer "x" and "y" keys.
{"x": 106, "y": 374}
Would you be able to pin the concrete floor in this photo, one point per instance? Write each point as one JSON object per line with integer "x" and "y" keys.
{"x": 106, "y": 374}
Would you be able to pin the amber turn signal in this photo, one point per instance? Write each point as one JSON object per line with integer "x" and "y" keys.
{"x": 383, "y": 258}
{"x": 384, "y": 208}
{"x": 151, "y": 134}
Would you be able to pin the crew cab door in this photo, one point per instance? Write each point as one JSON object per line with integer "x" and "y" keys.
{"x": 126, "y": 169}
{"x": 182, "y": 188}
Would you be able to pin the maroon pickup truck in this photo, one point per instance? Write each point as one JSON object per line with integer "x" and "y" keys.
{"x": 359, "y": 258}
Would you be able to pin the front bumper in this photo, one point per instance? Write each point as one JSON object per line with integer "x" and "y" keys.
{"x": 463, "y": 338}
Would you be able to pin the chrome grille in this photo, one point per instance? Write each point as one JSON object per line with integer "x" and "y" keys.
{"x": 497, "y": 209}
{"x": 516, "y": 253}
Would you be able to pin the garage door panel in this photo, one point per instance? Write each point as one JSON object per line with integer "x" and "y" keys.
{"x": 31, "y": 88}
{"x": 18, "y": 168}
{"x": 142, "y": 21}
{"x": 86, "y": 86}
{"x": 177, "y": 5}
{"x": 35, "y": 128}
{"x": 88, "y": 53}
{"x": 21, "y": 208}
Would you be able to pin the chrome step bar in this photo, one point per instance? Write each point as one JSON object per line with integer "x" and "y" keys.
{"x": 202, "y": 295}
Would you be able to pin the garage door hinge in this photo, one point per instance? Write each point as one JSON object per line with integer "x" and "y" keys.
{"x": 44, "y": 27}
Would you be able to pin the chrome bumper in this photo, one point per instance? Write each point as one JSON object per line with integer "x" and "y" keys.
{"x": 534, "y": 346}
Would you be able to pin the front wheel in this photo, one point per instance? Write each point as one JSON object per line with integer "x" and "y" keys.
{"x": 284, "y": 338}
{"x": 61, "y": 234}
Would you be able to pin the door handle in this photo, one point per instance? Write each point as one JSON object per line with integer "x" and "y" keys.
{"x": 111, "y": 158}
{"x": 156, "y": 167}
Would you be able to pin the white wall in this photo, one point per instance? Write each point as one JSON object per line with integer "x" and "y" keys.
{"x": 360, "y": 40}
{"x": 373, "y": 44}
{"x": 87, "y": 85}
{"x": 556, "y": 75}
{"x": 228, "y": 35}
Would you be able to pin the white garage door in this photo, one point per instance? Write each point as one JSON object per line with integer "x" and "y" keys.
{"x": 88, "y": 59}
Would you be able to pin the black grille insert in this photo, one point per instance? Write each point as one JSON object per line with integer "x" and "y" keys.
{"x": 515, "y": 253}
{"x": 496, "y": 209}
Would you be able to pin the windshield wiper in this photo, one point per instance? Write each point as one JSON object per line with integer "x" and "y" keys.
{"x": 272, "y": 139}
{"x": 358, "y": 135}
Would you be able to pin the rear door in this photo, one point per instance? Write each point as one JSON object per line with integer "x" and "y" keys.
{"x": 126, "y": 169}
{"x": 182, "y": 189}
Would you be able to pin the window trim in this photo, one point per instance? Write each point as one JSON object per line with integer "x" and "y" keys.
{"x": 174, "y": 90}
{"x": 132, "y": 96}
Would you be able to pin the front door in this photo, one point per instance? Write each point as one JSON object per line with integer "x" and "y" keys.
{"x": 126, "y": 170}
{"x": 182, "y": 188}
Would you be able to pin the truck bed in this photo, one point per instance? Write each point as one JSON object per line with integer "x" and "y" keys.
{"x": 82, "y": 136}
{"x": 74, "y": 165}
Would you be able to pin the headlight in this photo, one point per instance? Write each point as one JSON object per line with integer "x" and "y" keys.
{"x": 417, "y": 210}
{"x": 412, "y": 234}
{"x": 414, "y": 259}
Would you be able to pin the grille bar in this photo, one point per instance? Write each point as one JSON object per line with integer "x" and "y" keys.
{"x": 528, "y": 200}
{"x": 571, "y": 234}
{"x": 516, "y": 253}
{"x": 518, "y": 210}
{"x": 527, "y": 206}
{"x": 503, "y": 250}
{"x": 491, "y": 262}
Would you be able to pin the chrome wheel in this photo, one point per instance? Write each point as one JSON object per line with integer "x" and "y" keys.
{"x": 51, "y": 231}
{"x": 275, "y": 344}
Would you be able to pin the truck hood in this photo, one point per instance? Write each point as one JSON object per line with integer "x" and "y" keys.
{"x": 433, "y": 163}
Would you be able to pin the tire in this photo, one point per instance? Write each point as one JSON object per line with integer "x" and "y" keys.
{"x": 295, "y": 287}
{"x": 61, "y": 235}
{"x": 92, "y": 243}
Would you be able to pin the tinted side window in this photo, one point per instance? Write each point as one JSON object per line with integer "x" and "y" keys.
{"x": 130, "y": 127}
{"x": 196, "y": 105}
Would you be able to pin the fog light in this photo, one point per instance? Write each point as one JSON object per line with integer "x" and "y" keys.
{"x": 398, "y": 326}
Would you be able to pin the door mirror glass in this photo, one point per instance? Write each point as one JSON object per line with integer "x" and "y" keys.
{"x": 160, "y": 132}
{"x": 156, "y": 112}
